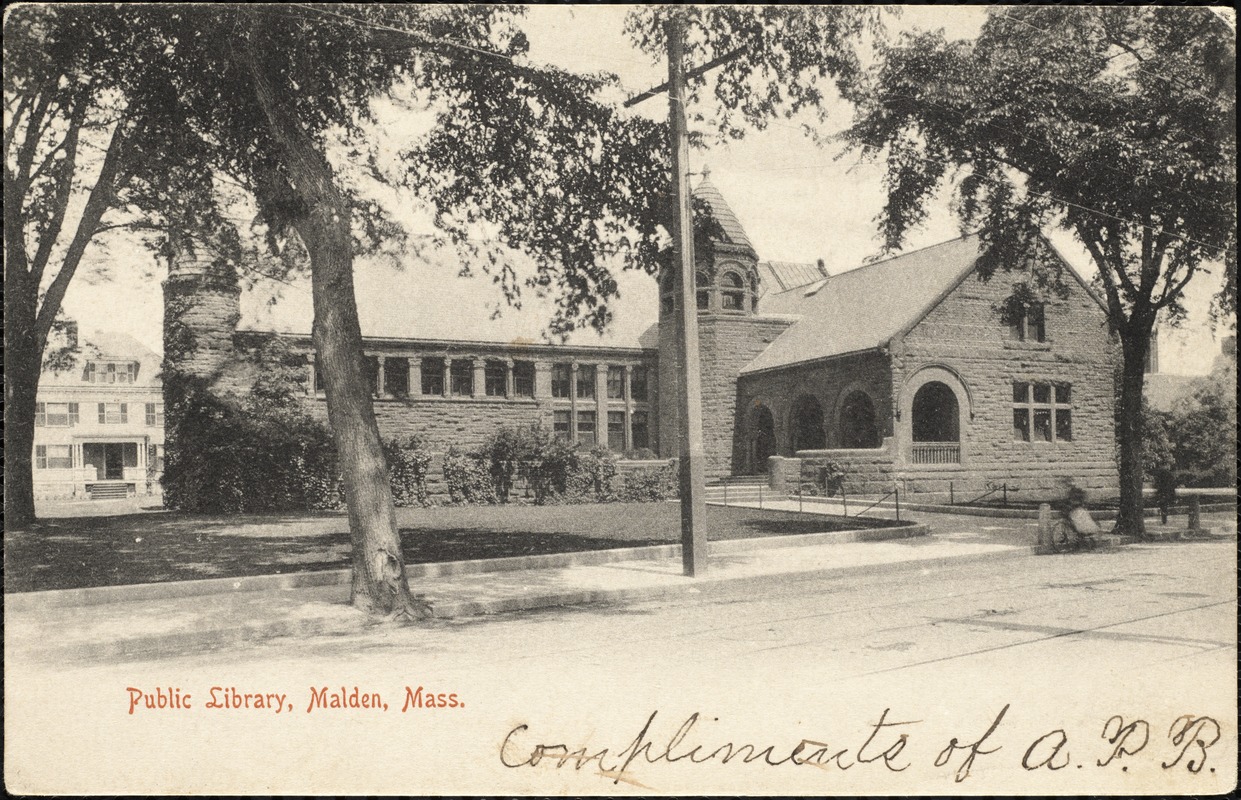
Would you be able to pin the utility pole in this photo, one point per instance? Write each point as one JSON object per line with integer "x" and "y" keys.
{"x": 693, "y": 502}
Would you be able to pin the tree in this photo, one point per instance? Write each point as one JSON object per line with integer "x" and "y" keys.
{"x": 1117, "y": 124}
{"x": 82, "y": 156}
{"x": 1203, "y": 429}
{"x": 278, "y": 94}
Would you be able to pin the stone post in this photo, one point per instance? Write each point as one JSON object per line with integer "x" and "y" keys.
{"x": 415, "y": 376}
{"x": 478, "y": 386}
{"x": 379, "y": 377}
{"x": 1195, "y": 513}
{"x": 509, "y": 390}
{"x": 1044, "y": 525}
{"x": 542, "y": 380}
{"x": 447, "y": 388}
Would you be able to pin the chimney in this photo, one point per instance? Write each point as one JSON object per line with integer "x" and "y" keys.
{"x": 822, "y": 268}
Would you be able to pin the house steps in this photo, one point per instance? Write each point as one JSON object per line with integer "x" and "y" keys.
{"x": 108, "y": 491}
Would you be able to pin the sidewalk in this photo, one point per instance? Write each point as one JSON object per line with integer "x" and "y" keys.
{"x": 139, "y": 624}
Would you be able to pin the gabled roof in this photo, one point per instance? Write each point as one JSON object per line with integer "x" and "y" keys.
{"x": 864, "y": 308}
{"x": 780, "y": 276}
{"x": 107, "y": 346}
{"x": 734, "y": 233}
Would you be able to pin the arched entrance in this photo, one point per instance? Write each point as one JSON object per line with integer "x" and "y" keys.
{"x": 858, "y": 429}
{"x": 807, "y": 427}
{"x": 936, "y": 425}
{"x": 762, "y": 438}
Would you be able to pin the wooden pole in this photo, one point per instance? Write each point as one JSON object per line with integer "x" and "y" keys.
{"x": 693, "y": 503}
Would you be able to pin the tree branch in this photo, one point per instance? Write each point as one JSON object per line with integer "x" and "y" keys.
{"x": 60, "y": 200}
{"x": 99, "y": 201}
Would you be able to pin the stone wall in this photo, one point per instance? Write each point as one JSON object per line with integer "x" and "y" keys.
{"x": 727, "y": 343}
{"x": 963, "y": 343}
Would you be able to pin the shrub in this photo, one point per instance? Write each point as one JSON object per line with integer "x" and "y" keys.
{"x": 648, "y": 484}
{"x": 503, "y": 454}
{"x": 408, "y": 465}
{"x": 468, "y": 478}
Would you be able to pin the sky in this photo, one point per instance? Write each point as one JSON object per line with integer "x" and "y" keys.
{"x": 797, "y": 201}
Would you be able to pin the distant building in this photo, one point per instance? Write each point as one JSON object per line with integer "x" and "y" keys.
{"x": 902, "y": 371}
{"x": 99, "y": 425}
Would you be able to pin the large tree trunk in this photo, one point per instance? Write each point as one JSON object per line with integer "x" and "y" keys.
{"x": 1135, "y": 341}
{"x": 379, "y": 584}
{"x": 22, "y": 359}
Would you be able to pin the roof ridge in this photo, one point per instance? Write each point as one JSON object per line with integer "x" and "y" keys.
{"x": 896, "y": 256}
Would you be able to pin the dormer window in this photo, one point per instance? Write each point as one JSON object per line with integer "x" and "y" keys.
{"x": 110, "y": 372}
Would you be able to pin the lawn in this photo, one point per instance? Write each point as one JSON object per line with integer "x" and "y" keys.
{"x": 65, "y": 552}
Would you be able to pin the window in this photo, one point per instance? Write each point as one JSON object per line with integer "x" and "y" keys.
{"x": 732, "y": 296}
{"x": 560, "y": 380}
{"x": 560, "y": 425}
{"x": 318, "y": 387}
{"x": 155, "y": 458}
{"x": 53, "y": 456}
{"x": 638, "y": 430}
{"x": 1042, "y": 412}
{"x": 56, "y": 415}
{"x": 432, "y": 376}
{"x": 616, "y": 383}
{"x": 155, "y": 414}
{"x": 667, "y": 293}
{"x": 616, "y": 430}
{"x": 585, "y": 382}
{"x": 462, "y": 375}
{"x": 703, "y": 284}
{"x": 370, "y": 373}
{"x": 113, "y": 413}
{"x": 1030, "y": 325}
{"x": 110, "y": 372}
{"x": 637, "y": 384}
{"x": 523, "y": 378}
{"x": 496, "y": 379}
{"x": 396, "y": 377}
{"x": 586, "y": 428}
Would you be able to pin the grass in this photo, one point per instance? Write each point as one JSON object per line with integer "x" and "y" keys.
{"x": 64, "y": 552}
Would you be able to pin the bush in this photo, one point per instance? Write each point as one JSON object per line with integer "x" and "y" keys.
{"x": 408, "y": 465}
{"x": 468, "y": 478}
{"x": 648, "y": 484}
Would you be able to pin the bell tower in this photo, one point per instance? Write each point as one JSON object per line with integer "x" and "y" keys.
{"x": 727, "y": 281}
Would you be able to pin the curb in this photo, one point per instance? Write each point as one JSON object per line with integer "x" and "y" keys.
{"x": 1019, "y": 513}
{"x": 99, "y": 595}
{"x": 200, "y": 640}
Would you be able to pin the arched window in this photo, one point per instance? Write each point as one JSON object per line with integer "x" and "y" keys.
{"x": 732, "y": 292}
{"x": 667, "y": 293}
{"x": 703, "y": 284}
{"x": 935, "y": 414}
{"x": 761, "y": 438}
{"x": 808, "y": 425}
{"x": 858, "y": 429}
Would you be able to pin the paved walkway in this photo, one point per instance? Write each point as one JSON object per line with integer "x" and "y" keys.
{"x": 128, "y": 628}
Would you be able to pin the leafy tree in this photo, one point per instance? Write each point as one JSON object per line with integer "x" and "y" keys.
{"x": 83, "y": 156}
{"x": 521, "y": 152}
{"x": 1115, "y": 123}
{"x": 1203, "y": 430}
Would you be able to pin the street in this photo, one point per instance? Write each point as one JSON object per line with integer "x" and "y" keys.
{"x": 1109, "y": 672}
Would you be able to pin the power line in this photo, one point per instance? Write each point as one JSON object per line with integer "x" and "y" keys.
{"x": 1053, "y": 198}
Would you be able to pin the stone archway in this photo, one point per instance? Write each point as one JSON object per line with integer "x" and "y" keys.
{"x": 806, "y": 425}
{"x": 760, "y": 439}
{"x": 936, "y": 414}
{"x": 859, "y": 429}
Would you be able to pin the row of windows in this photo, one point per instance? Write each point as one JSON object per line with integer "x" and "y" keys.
{"x": 496, "y": 379}
{"x": 734, "y": 295}
{"x": 1042, "y": 412}
{"x": 64, "y": 415}
{"x": 587, "y": 424}
{"x": 110, "y": 372}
